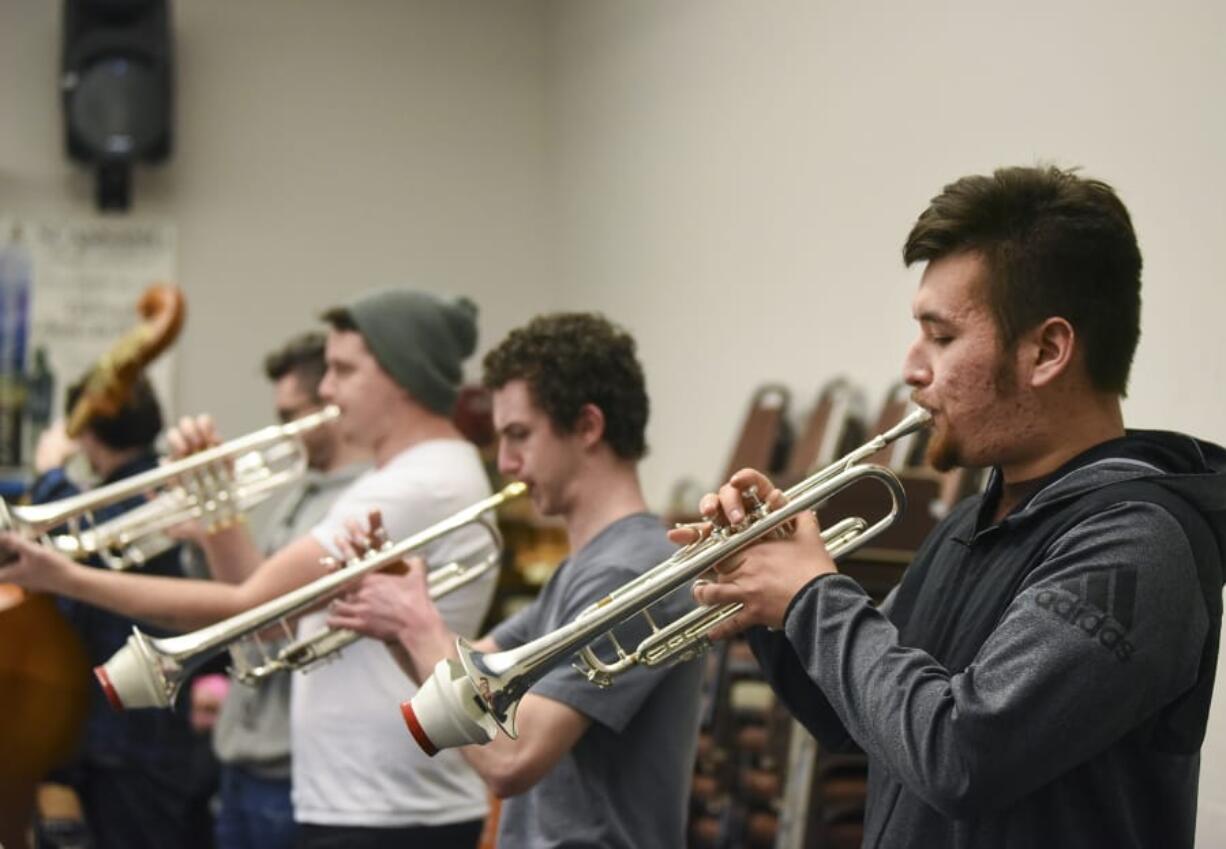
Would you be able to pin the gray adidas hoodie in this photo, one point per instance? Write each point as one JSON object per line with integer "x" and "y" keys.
{"x": 1043, "y": 681}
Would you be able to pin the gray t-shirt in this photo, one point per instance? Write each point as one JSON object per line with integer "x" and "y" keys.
{"x": 626, "y": 783}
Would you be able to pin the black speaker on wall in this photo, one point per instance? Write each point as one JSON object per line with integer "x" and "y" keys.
{"x": 118, "y": 89}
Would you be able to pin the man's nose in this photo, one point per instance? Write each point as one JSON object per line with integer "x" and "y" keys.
{"x": 915, "y": 369}
{"x": 508, "y": 461}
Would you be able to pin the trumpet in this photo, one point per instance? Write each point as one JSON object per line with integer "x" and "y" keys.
{"x": 148, "y": 672}
{"x": 216, "y": 485}
{"x": 469, "y": 700}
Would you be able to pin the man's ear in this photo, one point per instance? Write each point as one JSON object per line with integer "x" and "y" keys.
{"x": 589, "y": 425}
{"x": 1051, "y": 347}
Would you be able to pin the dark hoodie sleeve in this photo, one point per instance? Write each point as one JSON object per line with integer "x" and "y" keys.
{"x": 792, "y": 684}
{"x": 1054, "y": 684}
{"x": 797, "y": 690}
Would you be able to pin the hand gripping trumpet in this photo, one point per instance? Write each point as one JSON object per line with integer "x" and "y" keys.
{"x": 466, "y": 701}
{"x": 149, "y": 672}
{"x": 216, "y": 485}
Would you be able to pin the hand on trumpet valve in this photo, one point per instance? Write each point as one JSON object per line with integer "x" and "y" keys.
{"x": 737, "y": 503}
{"x": 361, "y": 539}
{"x": 207, "y": 485}
{"x": 395, "y": 608}
{"x": 392, "y": 605}
{"x": 192, "y": 435}
{"x": 765, "y": 576}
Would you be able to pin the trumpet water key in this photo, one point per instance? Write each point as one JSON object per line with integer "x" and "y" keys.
{"x": 148, "y": 672}
{"x": 468, "y": 700}
{"x": 214, "y": 486}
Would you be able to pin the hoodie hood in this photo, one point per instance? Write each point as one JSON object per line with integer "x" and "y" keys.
{"x": 1190, "y": 478}
{"x": 1191, "y": 468}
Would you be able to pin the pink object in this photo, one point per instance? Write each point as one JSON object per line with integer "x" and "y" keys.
{"x": 208, "y": 692}
{"x": 213, "y": 686}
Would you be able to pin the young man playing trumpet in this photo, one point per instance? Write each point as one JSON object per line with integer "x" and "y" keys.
{"x": 393, "y": 367}
{"x": 1042, "y": 675}
{"x": 591, "y": 767}
{"x": 252, "y": 735}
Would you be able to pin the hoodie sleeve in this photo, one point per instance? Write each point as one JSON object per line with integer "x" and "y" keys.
{"x": 799, "y": 693}
{"x": 1055, "y": 683}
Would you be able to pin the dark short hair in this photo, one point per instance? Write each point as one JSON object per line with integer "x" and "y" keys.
{"x": 572, "y": 359}
{"x": 302, "y": 356}
{"x": 1054, "y": 244}
{"x": 136, "y": 425}
{"x": 339, "y": 318}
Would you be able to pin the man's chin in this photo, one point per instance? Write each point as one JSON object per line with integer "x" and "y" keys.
{"x": 941, "y": 455}
{"x": 544, "y": 508}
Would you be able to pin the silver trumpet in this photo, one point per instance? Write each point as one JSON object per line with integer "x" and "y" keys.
{"x": 148, "y": 672}
{"x": 467, "y": 701}
{"x": 215, "y": 486}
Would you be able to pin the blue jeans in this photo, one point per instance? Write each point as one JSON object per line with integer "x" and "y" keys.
{"x": 256, "y": 813}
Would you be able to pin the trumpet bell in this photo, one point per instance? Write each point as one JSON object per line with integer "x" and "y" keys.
{"x": 134, "y": 678}
{"x": 446, "y": 712}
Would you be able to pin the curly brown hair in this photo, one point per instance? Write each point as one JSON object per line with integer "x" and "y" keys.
{"x": 572, "y": 359}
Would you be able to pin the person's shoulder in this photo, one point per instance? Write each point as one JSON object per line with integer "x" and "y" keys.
{"x": 434, "y": 463}
{"x": 52, "y": 485}
{"x": 632, "y": 543}
{"x": 439, "y": 449}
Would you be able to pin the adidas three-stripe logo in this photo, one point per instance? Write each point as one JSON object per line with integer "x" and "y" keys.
{"x": 1100, "y": 604}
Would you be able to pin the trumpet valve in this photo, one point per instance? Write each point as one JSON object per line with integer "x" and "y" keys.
{"x": 753, "y": 501}
{"x": 599, "y": 677}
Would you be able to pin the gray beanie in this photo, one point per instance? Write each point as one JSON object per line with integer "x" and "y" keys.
{"x": 420, "y": 340}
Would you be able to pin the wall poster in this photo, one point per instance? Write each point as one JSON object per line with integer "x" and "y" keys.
{"x": 68, "y": 291}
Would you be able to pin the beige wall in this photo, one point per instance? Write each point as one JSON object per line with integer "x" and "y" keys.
{"x": 731, "y": 180}
{"x": 736, "y": 181}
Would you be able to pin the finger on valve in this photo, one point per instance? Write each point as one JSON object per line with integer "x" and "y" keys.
{"x": 688, "y": 533}
{"x": 356, "y": 537}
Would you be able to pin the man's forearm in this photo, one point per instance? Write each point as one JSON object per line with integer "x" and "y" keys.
{"x": 231, "y": 554}
{"x": 419, "y": 651}
{"x": 548, "y": 729}
{"x": 177, "y": 604}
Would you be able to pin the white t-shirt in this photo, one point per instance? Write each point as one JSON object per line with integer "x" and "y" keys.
{"x": 354, "y": 761}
